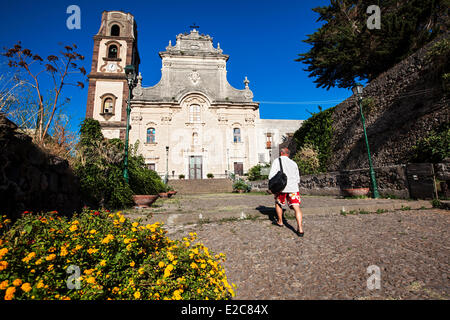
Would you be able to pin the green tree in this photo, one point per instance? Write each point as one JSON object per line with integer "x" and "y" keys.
{"x": 317, "y": 131}
{"x": 344, "y": 49}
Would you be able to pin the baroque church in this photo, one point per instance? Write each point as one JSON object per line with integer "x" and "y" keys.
{"x": 192, "y": 123}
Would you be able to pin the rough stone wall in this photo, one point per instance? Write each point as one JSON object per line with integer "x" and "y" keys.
{"x": 407, "y": 103}
{"x": 391, "y": 180}
{"x": 32, "y": 180}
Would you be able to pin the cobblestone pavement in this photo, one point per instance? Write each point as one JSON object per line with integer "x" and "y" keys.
{"x": 411, "y": 248}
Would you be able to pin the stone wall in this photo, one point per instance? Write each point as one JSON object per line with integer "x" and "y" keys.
{"x": 391, "y": 180}
{"x": 402, "y": 105}
{"x": 32, "y": 180}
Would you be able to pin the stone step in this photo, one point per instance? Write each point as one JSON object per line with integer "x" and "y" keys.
{"x": 202, "y": 186}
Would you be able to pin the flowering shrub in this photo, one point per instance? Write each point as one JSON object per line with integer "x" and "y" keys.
{"x": 116, "y": 259}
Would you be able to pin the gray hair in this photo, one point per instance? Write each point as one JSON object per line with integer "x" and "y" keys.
{"x": 285, "y": 151}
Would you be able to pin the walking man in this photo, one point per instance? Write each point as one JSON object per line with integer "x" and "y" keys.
{"x": 290, "y": 193}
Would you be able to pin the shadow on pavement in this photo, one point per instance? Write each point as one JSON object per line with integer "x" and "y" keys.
{"x": 271, "y": 214}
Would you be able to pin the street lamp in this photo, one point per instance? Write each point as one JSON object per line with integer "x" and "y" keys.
{"x": 166, "y": 179}
{"x": 358, "y": 91}
{"x": 130, "y": 73}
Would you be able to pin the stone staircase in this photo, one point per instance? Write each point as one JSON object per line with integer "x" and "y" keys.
{"x": 202, "y": 186}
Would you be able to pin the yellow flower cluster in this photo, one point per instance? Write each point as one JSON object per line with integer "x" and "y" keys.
{"x": 118, "y": 259}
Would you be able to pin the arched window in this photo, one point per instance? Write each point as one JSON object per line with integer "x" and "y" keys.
{"x": 194, "y": 113}
{"x": 151, "y": 138}
{"x": 108, "y": 105}
{"x": 236, "y": 135}
{"x": 112, "y": 51}
{"x": 115, "y": 30}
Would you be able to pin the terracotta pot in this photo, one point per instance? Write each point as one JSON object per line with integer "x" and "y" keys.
{"x": 356, "y": 192}
{"x": 144, "y": 200}
{"x": 163, "y": 195}
{"x": 171, "y": 193}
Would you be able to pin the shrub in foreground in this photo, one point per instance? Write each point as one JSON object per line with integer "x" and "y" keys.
{"x": 116, "y": 259}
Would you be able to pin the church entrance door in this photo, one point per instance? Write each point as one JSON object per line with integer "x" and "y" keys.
{"x": 239, "y": 168}
{"x": 195, "y": 167}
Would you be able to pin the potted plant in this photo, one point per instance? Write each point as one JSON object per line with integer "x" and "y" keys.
{"x": 241, "y": 187}
{"x": 144, "y": 200}
{"x": 356, "y": 192}
{"x": 181, "y": 176}
{"x": 170, "y": 191}
{"x": 210, "y": 176}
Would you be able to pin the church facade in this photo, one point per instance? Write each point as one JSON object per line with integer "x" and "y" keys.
{"x": 192, "y": 122}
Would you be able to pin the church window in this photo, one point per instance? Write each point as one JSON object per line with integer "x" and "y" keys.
{"x": 151, "y": 166}
{"x": 112, "y": 51}
{"x": 151, "y": 138}
{"x": 236, "y": 135}
{"x": 194, "y": 113}
{"x": 108, "y": 105}
{"x": 115, "y": 30}
{"x": 195, "y": 138}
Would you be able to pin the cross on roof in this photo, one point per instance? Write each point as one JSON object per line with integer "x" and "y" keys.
{"x": 194, "y": 26}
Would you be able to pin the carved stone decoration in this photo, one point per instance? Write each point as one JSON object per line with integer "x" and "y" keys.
{"x": 136, "y": 118}
{"x": 137, "y": 91}
{"x": 166, "y": 118}
{"x": 194, "y": 76}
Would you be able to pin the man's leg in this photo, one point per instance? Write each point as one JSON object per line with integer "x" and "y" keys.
{"x": 279, "y": 211}
{"x": 298, "y": 217}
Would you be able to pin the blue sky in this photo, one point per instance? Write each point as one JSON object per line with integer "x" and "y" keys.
{"x": 262, "y": 38}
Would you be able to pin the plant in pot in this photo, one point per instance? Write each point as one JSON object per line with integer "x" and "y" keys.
{"x": 181, "y": 176}
{"x": 146, "y": 184}
{"x": 170, "y": 191}
{"x": 241, "y": 187}
{"x": 210, "y": 176}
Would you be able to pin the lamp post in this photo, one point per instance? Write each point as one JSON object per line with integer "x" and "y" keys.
{"x": 166, "y": 179}
{"x": 358, "y": 90}
{"x": 131, "y": 75}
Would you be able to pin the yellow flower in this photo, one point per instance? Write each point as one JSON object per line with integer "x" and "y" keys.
{"x": 93, "y": 231}
{"x": 167, "y": 271}
{"x": 3, "y": 285}
{"x": 38, "y": 262}
{"x": 135, "y": 224}
{"x": 194, "y": 265}
{"x": 3, "y": 265}
{"x": 107, "y": 239}
{"x": 10, "y": 293}
{"x": 92, "y": 250}
{"x": 161, "y": 264}
{"x": 90, "y": 280}
{"x": 141, "y": 271}
{"x": 40, "y": 284}
{"x": 26, "y": 287}
{"x": 30, "y": 256}
{"x": 17, "y": 282}
{"x": 73, "y": 228}
{"x": 50, "y": 257}
{"x": 103, "y": 263}
{"x": 50, "y": 267}
{"x": 3, "y": 251}
{"x": 137, "y": 295}
{"x": 132, "y": 264}
{"x": 63, "y": 252}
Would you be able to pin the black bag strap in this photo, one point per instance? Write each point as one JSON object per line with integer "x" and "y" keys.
{"x": 281, "y": 166}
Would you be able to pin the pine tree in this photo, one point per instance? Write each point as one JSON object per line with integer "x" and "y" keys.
{"x": 344, "y": 49}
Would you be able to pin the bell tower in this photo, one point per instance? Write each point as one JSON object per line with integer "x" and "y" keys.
{"x": 115, "y": 46}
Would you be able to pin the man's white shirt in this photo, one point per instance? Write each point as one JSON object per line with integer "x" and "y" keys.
{"x": 290, "y": 168}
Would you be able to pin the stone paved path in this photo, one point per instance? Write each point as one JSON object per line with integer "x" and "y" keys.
{"x": 411, "y": 248}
